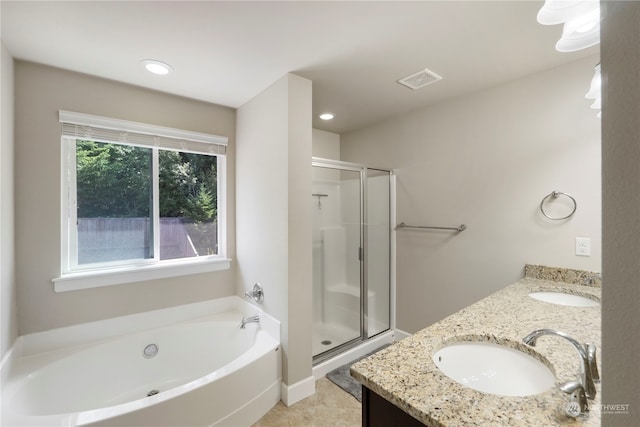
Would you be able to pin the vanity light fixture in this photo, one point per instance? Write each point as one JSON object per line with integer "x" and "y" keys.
{"x": 596, "y": 83}
{"x": 581, "y": 29}
{"x": 559, "y": 11}
{"x": 326, "y": 116}
{"x": 157, "y": 67}
{"x": 580, "y": 33}
{"x": 581, "y": 19}
{"x": 595, "y": 91}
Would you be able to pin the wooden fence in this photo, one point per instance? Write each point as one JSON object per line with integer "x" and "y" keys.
{"x": 112, "y": 239}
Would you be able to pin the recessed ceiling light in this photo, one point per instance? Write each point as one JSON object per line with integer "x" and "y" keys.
{"x": 326, "y": 116}
{"x": 157, "y": 67}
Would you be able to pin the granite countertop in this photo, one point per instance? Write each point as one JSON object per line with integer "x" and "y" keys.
{"x": 405, "y": 374}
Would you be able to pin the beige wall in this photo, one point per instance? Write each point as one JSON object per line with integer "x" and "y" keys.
{"x": 8, "y": 308}
{"x": 273, "y": 181}
{"x": 40, "y": 92}
{"x": 620, "y": 39}
{"x": 300, "y": 227}
{"x": 487, "y": 160}
{"x": 326, "y": 144}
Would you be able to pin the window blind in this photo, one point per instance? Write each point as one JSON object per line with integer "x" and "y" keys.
{"x": 104, "y": 129}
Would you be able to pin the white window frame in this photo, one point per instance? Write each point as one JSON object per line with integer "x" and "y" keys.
{"x": 83, "y": 126}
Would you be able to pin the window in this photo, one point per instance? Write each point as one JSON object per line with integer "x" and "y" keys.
{"x": 138, "y": 198}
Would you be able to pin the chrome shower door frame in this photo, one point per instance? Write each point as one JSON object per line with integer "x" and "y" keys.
{"x": 363, "y": 253}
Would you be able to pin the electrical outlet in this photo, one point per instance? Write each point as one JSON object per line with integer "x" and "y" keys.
{"x": 583, "y": 246}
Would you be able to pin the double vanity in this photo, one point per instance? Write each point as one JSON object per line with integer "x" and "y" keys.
{"x": 474, "y": 368}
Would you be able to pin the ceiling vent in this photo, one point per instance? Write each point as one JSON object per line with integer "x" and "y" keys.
{"x": 420, "y": 79}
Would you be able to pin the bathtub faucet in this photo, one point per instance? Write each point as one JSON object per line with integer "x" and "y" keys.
{"x": 257, "y": 294}
{"x": 252, "y": 319}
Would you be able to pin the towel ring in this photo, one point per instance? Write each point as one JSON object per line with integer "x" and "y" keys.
{"x": 555, "y": 195}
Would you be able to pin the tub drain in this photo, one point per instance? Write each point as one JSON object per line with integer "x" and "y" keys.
{"x": 153, "y": 392}
{"x": 150, "y": 351}
{"x": 325, "y": 342}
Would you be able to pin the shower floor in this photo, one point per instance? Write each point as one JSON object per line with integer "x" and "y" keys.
{"x": 327, "y": 336}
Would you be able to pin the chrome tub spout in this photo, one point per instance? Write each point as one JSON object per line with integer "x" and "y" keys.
{"x": 252, "y": 319}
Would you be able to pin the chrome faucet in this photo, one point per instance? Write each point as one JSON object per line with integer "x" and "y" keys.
{"x": 578, "y": 406}
{"x": 584, "y": 388}
{"x": 592, "y": 279}
{"x": 252, "y": 319}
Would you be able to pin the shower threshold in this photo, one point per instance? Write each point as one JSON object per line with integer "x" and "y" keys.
{"x": 326, "y": 362}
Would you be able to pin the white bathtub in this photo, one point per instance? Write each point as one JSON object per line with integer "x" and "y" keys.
{"x": 207, "y": 371}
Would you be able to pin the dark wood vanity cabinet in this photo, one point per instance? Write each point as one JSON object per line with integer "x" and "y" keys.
{"x": 379, "y": 412}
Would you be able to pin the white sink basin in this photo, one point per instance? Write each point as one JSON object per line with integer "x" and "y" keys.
{"x": 493, "y": 368}
{"x": 561, "y": 298}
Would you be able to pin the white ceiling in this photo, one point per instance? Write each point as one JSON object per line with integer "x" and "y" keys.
{"x": 227, "y": 52}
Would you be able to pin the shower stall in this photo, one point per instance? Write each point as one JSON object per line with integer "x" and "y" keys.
{"x": 351, "y": 207}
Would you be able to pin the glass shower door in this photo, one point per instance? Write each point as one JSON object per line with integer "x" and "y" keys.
{"x": 378, "y": 250}
{"x": 337, "y": 267}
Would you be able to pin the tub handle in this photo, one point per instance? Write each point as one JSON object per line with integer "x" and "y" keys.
{"x": 257, "y": 294}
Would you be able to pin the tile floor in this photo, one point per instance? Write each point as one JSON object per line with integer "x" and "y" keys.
{"x": 330, "y": 406}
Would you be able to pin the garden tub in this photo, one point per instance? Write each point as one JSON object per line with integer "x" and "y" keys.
{"x": 199, "y": 371}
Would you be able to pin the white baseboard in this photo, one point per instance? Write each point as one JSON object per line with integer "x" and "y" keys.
{"x": 298, "y": 391}
{"x": 307, "y": 387}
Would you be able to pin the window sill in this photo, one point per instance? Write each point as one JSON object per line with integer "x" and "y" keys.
{"x": 118, "y": 276}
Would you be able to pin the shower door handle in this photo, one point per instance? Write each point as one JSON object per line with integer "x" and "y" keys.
{"x": 360, "y": 254}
